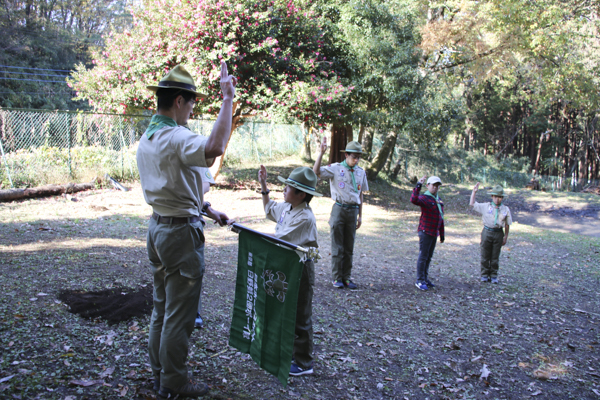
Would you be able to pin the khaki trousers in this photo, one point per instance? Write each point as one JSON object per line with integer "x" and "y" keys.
{"x": 176, "y": 253}
{"x": 491, "y": 245}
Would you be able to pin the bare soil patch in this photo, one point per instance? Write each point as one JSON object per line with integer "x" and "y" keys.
{"x": 112, "y": 305}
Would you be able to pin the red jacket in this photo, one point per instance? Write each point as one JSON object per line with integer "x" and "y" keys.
{"x": 431, "y": 222}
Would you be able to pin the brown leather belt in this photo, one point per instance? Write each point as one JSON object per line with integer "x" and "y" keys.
{"x": 175, "y": 220}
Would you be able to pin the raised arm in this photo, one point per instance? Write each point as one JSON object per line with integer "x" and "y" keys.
{"x": 262, "y": 179}
{"x": 475, "y": 189}
{"x": 215, "y": 146}
{"x": 322, "y": 148}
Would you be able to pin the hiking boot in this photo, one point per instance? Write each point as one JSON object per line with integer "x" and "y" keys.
{"x": 495, "y": 280}
{"x": 190, "y": 389}
{"x": 421, "y": 285}
{"x": 429, "y": 284}
{"x": 338, "y": 284}
{"x": 350, "y": 285}
{"x": 485, "y": 279}
{"x": 297, "y": 371}
{"x": 198, "y": 323}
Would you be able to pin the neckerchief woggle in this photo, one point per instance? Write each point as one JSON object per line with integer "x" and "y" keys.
{"x": 437, "y": 202}
{"x": 158, "y": 122}
{"x": 351, "y": 169}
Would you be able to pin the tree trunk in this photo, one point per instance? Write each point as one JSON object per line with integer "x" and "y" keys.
{"x": 306, "y": 134}
{"x": 361, "y": 132}
{"x": 44, "y": 191}
{"x": 367, "y": 144}
{"x": 380, "y": 159}
{"x": 340, "y": 136}
{"x": 397, "y": 167}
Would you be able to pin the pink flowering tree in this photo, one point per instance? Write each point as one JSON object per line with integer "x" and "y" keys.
{"x": 287, "y": 63}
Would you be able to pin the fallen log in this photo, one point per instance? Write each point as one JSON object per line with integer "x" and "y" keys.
{"x": 44, "y": 191}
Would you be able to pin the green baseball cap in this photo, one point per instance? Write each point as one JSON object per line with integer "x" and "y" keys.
{"x": 498, "y": 190}
{"x": 302, "y": 178}
{"x": 353, "y": 147}
{"x": 177, "y": 78}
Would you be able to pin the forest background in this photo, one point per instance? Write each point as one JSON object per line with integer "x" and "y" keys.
{"x": 512, "y": 84}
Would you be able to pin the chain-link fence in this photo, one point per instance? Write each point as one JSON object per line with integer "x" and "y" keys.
{"x": 40, "y": 147}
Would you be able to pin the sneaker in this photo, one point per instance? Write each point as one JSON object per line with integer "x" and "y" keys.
{"x": 297, "y": 371}
{"x": 350, "y": 285}
{"x": 485, "y": 279}
{"x": 421, "y": 286}
{"x": 338, "y": 284}
{"x": 495, "y": 280}
{"x": 190, "y": 389}
{"x": 429, "y": 284}
{"x": 198, "y": 323}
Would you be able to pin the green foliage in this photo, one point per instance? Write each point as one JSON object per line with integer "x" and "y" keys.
{"x": 284, "y": 58}
{"x": 44, "y": 40}
{"x": 52, "y": 165}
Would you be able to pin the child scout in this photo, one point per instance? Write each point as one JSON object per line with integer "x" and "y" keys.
{"x": 495, "y": 217}
{"x": 347, "y": 181}
{"x": 297, "y": 224}
{"x": 431, "y": 225}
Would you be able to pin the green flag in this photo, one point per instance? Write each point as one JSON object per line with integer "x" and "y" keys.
{"x": 264, "y": 311}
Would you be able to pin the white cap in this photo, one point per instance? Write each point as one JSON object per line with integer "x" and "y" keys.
{"x": 206, "y": 175}
{"x": 434, "y": 179}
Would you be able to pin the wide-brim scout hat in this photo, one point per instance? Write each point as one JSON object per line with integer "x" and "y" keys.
{"x": 178, "y": 78}
{"x": 353, "y": 147}
{"x": 434, "y": 179}
{"x": 302, "y": 178}
{"x": 498, "y": 190}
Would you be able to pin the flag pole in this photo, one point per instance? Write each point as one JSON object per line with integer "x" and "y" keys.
{"x": 235, "y": 225}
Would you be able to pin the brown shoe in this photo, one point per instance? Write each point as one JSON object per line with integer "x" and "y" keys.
{"x": 190, "y": 389}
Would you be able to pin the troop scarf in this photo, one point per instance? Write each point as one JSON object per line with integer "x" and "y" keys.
{"x": 351, "y": 169}
{"x": 437, "y": 202}
{"x": 158, "y": 122}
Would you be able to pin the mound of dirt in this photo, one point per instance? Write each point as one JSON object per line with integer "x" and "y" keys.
{"x": 112, "y": 305}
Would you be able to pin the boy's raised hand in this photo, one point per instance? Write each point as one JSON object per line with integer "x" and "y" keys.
{"x": 262, "y": 175}
{"x": 323, "y": 145}
{"x": 423, "y": 179}
{"x": 476, "y": 188}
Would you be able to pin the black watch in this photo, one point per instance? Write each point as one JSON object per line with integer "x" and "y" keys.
{"x": 205, "y": 206}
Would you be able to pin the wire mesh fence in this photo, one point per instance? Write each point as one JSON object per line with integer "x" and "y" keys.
{"x": 41, "y": 147}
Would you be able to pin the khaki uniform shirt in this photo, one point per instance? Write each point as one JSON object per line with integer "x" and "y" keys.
{"x": 169, "y": 165}
{"x": 488, "y": 211}
{"x": 297, "y": 226}
{"x": 340, "y": 183}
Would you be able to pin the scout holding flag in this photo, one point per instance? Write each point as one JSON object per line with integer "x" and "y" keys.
{"x": 347, "y": 181}
{"x": 495, "y": 217}
{"x": 297, "y": 224}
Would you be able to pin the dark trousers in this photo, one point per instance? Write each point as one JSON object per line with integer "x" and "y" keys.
{"x": 426, "y": 248}
{"x": 303, "y": 344}
{"x": 343, "y": 232}
{"x": 491, "y": 245}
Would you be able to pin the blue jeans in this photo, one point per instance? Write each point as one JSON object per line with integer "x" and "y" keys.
{"x": 426, "y": 248}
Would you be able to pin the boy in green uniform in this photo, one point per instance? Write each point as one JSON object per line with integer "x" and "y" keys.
{"x": 297, "y": 224}
{"x": 347, "y": 182}
{"x": 496, "y": 218}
